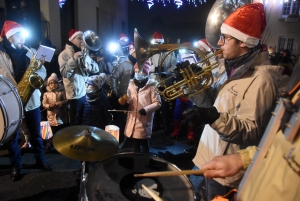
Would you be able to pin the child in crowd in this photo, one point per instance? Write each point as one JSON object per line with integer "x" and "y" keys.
{"x": 94, "y": 110}
{"x": 143, "y": 101}
{"x": 55, "y": 102}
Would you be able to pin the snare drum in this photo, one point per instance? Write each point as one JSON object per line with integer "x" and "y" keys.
{"x": 113, "y": 179}
{"x": 11, "y": 110}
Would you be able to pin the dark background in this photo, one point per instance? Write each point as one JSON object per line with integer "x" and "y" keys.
{"x": 186, "y": 23}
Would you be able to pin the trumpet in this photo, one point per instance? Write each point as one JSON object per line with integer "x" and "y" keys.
{"x": 192, "y": 82}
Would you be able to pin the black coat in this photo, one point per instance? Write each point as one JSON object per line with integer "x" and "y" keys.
{"x": 94, "y": 113}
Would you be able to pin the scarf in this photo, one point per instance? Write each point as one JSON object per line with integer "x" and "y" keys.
{"x": 76, "y": 49}
{"x": 140, "y": 83}
{"x": 132, "y": 59}
{"x": 19, "y": 59}
{"x": 92, "y": 97}
{"x": 237, "y": 62}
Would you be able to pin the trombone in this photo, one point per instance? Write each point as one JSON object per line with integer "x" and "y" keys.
{"x": 193, "y": 82}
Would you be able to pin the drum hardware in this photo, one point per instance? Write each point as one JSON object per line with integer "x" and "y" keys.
{"x": 113, "y": 179}
{"x": 152, "y": 193}
{"x": 85, "y": 143}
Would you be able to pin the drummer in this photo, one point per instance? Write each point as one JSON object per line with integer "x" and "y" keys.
{"x": 143, "y": 101}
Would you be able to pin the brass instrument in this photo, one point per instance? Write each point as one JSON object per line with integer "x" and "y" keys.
{"x": 194, "y": 82}
{"x": 30, "y": 80}
{"x": 91, "y": 42}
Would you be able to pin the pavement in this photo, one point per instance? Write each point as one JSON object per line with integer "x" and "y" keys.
{"x": 63, "y": 183}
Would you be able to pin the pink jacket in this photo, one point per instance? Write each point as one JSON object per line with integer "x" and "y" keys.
{"x": 138, "y": 126}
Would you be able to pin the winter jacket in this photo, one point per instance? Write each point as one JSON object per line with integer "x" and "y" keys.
{"x": 137, "y": 125}
{"x": 121, "y": 77}
{"x": 244, "y": 103}
{"x": 94, "y": 113}
{"x": 71, "y": 71}
{"x": 57, "y": 115}
{"x": 13, "y": 65}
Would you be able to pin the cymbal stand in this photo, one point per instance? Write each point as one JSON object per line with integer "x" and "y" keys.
{"x": 83, "y": 177}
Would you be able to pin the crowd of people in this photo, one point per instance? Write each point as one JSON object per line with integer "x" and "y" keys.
{"x": 232, "y": 114}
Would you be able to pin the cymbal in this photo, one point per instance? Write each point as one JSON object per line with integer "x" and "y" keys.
{"x": 85, "y": 143}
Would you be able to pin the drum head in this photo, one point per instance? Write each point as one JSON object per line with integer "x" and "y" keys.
{"x": 113, "y": 179}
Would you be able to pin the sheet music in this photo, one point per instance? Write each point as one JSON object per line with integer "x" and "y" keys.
{"x": 45, "y": 53}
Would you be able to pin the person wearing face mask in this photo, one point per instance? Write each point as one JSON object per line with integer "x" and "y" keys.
{"x": 55, "y": 102}
{"x": 119, "y": 82}
{"x": 93, "y": 111}
{"x": 143, "y": 101}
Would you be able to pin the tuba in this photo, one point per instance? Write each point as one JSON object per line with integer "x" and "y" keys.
{"x": 193, "y": 82}
{"x": 91, "y": 42}
{"x": 30, "y": 80}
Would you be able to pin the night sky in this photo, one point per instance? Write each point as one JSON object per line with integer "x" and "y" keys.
{"x": 187, "y": 22}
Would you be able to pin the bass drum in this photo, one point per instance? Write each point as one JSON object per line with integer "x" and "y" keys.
{"x": 113, "y": 179}
{"x": 11, "y": 110}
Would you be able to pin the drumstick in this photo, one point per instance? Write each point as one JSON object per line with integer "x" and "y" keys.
{"x": 170, "y": 173}
{"x": 152, "y": 194}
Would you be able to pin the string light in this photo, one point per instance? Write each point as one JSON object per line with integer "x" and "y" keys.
{"x": 178, "y": 3}
{"x": 61, "y": 3}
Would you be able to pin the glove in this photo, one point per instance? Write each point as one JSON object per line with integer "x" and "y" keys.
{"x": 200, "y": 115}
{"x": 178, "y": 67}
{"x": 195, "y": 68}
{"x": 142, "y": 112}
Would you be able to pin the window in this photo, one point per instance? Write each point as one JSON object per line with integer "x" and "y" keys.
{"x": 286, "y": 43}
{"x": 290, "y": 7}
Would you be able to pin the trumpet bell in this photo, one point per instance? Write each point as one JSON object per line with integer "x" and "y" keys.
{"x": 92, "y": 40}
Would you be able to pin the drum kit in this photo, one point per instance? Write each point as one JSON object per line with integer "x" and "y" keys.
{"x": 119, "y": 176}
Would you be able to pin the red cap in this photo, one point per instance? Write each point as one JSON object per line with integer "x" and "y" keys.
{"x": 10, "y": 28}
{"x": 73, "y": 33}
{"x": 246, "y": 23}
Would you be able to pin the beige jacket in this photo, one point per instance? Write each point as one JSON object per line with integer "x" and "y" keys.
{"x": 139, "y": 126}
{"x": 244, "y": 103}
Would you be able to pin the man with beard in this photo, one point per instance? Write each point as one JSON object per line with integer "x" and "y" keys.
{"x": 242, "y": 108}
{"x": 13, "y": 69}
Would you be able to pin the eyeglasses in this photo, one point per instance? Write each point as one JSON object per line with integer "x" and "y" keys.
{"x": 223, "y": 37}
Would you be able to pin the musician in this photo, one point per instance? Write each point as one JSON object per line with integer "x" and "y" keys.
{"x": 241, "y": 110}
{"x": 75, "y": 71}
{"x": 120, "y": 80}
{"x": 166, "y": 70}
{"x": 273, "y": 164}
{"x": 13, "y": 68}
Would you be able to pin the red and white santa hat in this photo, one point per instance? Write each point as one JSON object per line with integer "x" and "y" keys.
{"x": 158, "y": 37}
{"x": 73, "y": 33}
{"x": 123, "y": 37}
{"x": 10, "y": 28}
{"x": 203, "y": 42}
{"x": 246, "y": 24}
{"x": 131, "y": 49}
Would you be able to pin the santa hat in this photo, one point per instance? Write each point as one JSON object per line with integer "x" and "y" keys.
{"x": 204, "y": 43}
{"x": 158, "y": 37}
{"x": 73, "y": 33}
{"x": 97, "y": 81}
{"x": 146, "y": 67}
{"x": 10, "y": 28}
{"x": 246, "y": 24}
{"x": 131, "y": 49}
{"x": 53, "y": 76}
{"x": 123, "y": 37}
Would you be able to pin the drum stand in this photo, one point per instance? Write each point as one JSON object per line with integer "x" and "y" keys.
{"x": 82, "y": 193}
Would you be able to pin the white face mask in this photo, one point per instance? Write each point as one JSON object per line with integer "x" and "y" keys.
{"x": 139, "y": 76}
